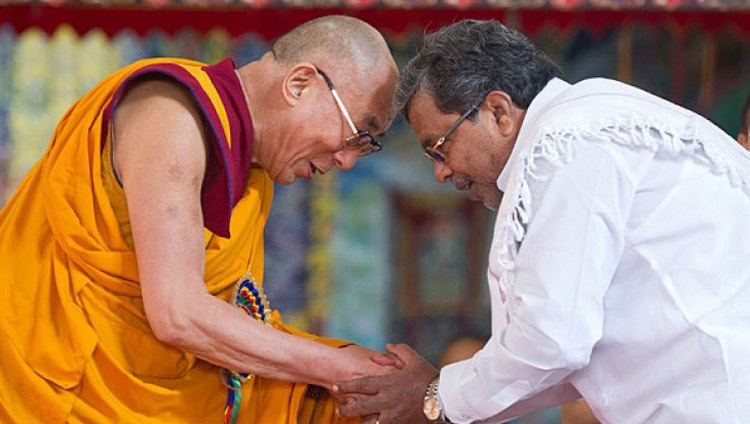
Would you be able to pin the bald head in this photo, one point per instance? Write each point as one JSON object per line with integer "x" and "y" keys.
{"x": 354, "y": 54}
{"x": 330, "y": 39}
{"x": 335, "y": 71}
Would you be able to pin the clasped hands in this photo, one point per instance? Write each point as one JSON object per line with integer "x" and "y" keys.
{"x": 394, "y": 397}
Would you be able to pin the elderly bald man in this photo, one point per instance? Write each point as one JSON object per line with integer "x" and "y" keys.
{"x": 131, "y": 284}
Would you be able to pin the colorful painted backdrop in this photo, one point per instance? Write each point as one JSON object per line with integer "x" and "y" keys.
{"x": 381, "y": 252}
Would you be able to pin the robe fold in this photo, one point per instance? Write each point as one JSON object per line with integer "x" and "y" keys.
{"x": 75, "y": 345}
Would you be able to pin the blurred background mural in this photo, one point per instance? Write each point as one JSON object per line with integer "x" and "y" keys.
{"x": 380, "y": 253}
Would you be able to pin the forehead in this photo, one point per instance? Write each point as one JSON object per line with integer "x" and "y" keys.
{"x": 422, "y": 106}
{"x": 425, "y": 118}
{"x": 378, "y": 103}
{"x": 368, "y": 110}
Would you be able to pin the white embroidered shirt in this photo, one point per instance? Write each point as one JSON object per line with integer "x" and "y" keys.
{"x": 620, "y": 264}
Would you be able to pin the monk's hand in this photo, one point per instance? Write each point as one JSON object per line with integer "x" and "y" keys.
{"x": 376, "y": 357}
{"x": 365, "y": 362}
{"x": 397, "y": 396}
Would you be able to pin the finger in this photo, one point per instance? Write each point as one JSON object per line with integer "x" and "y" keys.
{"x": 338, "y": 396}
{"x": 392, "y": 417}
{"x": 384, "y": 359}
{"x": 369, "y": 419}
{"x": 366, "y": 385}
{"x": 388, "y": 359}
{"x": 397, "y": 362}
{"x": 341, "y": 408}
{"x": 402, "y": 351}
{"x": 392, "y": 351}
{"x": 359, "y": 406}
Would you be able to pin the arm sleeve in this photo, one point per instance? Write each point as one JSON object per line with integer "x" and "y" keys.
{"x": 554, "y": 306}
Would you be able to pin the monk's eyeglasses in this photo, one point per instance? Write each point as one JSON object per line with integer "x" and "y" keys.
{"x": 360, "y": 140}
{"x": 433, "y": 153}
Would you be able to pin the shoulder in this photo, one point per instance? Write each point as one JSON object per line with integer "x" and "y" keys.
{"x": 153, "y": 87}
{"x": 165, "y": 78}
{"x": 157, "y": 116}
{"x": 599, "y": 103}
{"x": 600, "y": 88}
{"x": 156, "y": 100}
{"x": 595, "y": 98}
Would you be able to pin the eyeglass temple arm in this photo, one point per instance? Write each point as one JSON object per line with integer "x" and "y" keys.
{"x": 340, "y": 103}
{"x": 343, "y": 110}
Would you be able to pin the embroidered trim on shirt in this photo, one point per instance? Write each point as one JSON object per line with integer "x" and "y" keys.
{"x": 556, "y": 148}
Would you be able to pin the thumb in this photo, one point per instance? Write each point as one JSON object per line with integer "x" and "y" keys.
{"x": 383, "y": 359}
{"x": 401, "y": 351}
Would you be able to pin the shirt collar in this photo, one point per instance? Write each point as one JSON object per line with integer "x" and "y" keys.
{"x": 554, "y": 87}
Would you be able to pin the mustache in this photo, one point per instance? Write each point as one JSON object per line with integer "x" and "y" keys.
{"x": 461, "y": 182}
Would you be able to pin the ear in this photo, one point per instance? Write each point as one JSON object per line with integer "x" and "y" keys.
{"x": 506, "y": 113}
{"x": 744, "y": 140}
{"x": 297, "y": 80}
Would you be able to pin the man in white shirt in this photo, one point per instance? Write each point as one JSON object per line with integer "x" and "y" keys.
{"x": 620, "y": 264}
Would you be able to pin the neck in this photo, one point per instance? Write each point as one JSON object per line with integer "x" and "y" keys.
{"x": 249, "y": 88}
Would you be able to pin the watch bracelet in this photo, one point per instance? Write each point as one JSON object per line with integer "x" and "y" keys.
{"x": 432, "y": 392}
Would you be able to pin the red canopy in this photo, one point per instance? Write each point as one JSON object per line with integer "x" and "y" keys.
{"x": 270, "y": 18}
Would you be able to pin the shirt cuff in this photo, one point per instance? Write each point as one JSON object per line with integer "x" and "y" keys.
{"x": 467, "y": 398}
{"x": 449, "y": 390}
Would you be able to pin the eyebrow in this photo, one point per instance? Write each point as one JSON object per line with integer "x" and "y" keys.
{"x": 373, "y": 125}
{"x": 430, "y": 140}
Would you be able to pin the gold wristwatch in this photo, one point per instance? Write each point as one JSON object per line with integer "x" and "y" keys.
{"x": 432, "y": 408}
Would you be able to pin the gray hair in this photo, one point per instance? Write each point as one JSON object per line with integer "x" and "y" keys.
{"x": 462, "y": 62}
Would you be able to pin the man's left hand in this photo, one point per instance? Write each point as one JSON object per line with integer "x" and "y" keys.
{"x": 397, "y": 397}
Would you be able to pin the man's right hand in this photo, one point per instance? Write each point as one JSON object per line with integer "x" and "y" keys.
{"x": 397, "y": 396}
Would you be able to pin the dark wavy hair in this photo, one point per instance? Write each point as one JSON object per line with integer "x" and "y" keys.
{"x": 462, "y": 62}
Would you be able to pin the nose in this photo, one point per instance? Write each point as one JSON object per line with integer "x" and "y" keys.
{"x": 442, "y": 172}
{"x": 345, "y": 158}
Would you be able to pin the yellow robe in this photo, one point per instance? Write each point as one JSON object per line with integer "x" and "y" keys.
{"x": 75, "y": 345}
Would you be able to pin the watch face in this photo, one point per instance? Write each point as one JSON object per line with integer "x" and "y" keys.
{"x": 432, "y": 409}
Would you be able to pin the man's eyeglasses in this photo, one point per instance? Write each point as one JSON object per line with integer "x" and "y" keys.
{"x": 433, "y": 153}
{"x": 360, "y": 140}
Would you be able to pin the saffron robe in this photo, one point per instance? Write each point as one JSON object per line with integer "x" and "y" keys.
{"x": 75, "y": 345}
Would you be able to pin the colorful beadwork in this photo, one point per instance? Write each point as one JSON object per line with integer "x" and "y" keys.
{"x": 249, "y": 298}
